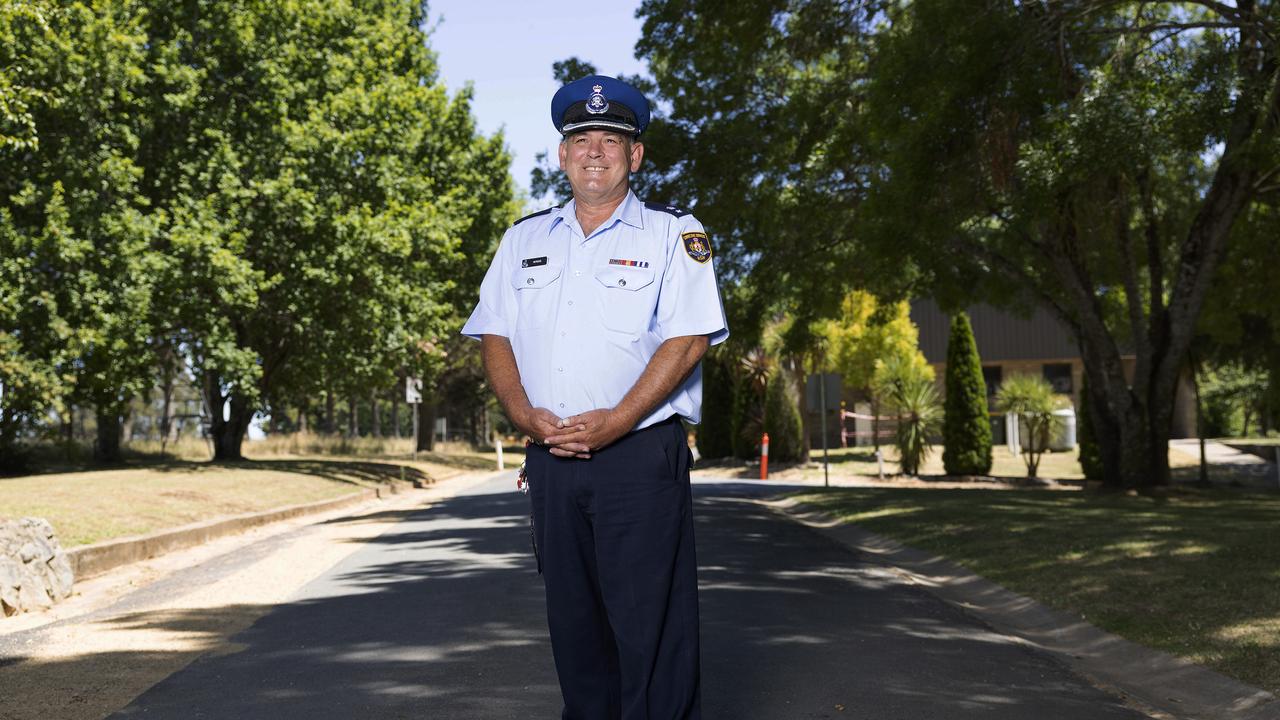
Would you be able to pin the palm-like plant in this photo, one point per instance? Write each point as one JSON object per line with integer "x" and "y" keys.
{"x": 1031, "y": 398}
{"x": 911, "y": 395}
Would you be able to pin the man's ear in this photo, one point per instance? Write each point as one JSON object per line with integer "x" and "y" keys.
{"x": 563, "y": 151}
{"x": 637, "y": 154}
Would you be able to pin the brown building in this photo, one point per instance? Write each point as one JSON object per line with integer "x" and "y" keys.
{"x": 1037, "y": 344}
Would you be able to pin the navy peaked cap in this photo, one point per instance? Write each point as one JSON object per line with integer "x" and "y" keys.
{"x": 599, "y": 102}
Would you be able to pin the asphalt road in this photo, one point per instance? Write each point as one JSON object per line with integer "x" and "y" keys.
{"x": 443, "y": 617}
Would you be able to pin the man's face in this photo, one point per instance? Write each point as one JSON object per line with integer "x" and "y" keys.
{"x": 598, "y": 162}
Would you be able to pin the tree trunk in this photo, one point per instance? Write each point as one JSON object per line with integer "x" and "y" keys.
{"x": 228, "y": 435}
{"x": 395, "y": 409}
{"x": 799, "y": 379}
{"x": 106, "y": 448}
{"x": 126, "y": 429}
{"x": 426, "y": 425}
{"x": 374, "y": 419}
{"x": 166, "y": 411}
{"x": 353, "y": 418}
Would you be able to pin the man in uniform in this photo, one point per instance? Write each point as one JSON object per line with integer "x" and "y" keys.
{"x": 593, "y": 318}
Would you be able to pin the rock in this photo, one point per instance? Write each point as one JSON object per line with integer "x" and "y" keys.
{"x": 34, "y": 570}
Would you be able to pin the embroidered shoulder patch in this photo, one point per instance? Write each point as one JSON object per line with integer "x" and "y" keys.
{"x": 697, "y": 246}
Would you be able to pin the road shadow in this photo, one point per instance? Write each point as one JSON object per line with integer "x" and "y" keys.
{"x": 443, "y": 617}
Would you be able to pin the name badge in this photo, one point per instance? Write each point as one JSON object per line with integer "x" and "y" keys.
{"x": 533, "y": 262}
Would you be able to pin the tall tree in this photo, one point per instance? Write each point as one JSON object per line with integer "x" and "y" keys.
{"x": 1092, "y": 156}
{"x": 323, "y": 189}
{"x": 77, "y": 226}
{"x": 966, "y": 425}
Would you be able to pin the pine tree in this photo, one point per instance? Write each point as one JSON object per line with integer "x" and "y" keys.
{"x": 966, "y": 429}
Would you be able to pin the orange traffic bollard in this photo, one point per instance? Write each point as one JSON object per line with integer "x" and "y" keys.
{"x": 764, "y": 457}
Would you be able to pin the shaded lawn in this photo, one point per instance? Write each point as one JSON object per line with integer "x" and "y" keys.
{"x": 1195, "y": 573}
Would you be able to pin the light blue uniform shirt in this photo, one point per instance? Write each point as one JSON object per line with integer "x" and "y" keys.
{"x": 585, "y": 314}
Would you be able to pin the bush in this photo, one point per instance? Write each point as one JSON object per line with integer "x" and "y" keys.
{"x": 966, "y": 427}
{"x": 715, "y": 432}
{"x": 1031, "y": 397}
{"x": 782, "y": 419}
{"x": 908, "y": 391}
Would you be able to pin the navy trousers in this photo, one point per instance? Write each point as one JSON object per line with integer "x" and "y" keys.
{"x": 614, "y": 536}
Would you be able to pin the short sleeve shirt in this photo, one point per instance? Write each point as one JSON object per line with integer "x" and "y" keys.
{"x": 585, "y": 314}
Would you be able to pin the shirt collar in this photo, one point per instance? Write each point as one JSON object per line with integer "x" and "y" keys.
{"x": 630, "y": 211}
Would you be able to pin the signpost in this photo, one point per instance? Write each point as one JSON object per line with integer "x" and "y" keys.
{"x": 822, "y": 394}
{"x": 413, "y": 396}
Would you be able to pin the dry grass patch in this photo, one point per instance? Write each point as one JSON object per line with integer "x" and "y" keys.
{"x": 87, "y": 507}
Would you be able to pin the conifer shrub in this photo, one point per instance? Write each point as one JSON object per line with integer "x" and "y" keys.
{"x": 966, "y": 427}
{"x": 1087, "y": 437}
{"x": 782, "y": 419}
{"x": 715, "y": 431}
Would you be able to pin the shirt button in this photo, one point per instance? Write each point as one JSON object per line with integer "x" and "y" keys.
{"x": 570, "y": 302}
{"x": 563, "y": 333}
{"x": 561, "y": 404}
{"x": 577, "y": 273}
{"x": 529, "y": 281}
{"x": 559, "y": 369}
{"x": 622, "y": 283}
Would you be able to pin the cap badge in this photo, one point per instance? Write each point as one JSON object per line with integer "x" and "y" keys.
{"x": 596, "y": 102}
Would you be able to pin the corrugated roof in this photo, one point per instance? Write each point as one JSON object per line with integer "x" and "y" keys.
{"x": 1000, "y": 334}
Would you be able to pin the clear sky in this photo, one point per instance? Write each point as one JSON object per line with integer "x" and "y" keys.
{"x": 505, "y": 49}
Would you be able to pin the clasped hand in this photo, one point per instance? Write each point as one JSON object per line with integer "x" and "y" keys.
{"x": 576, "y": 436}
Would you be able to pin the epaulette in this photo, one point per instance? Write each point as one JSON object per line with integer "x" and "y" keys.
{"x": 534, "y": 215}
{"x": 677, "y": 211}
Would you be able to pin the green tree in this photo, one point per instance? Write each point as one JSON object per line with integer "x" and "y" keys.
{"x": 75, "y": 183}
{"x": 782, "y": 419}
{"x": 329, "y": 200}
{"x": 966, "y": 429}
{"x": 955, "y": 149}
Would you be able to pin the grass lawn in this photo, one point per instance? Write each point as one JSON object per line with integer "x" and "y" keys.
{"x": 90, "y": 505}
{"x": 1195, "y": 573}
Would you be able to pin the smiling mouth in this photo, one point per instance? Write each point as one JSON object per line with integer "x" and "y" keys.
{"x": 595, "y": 168}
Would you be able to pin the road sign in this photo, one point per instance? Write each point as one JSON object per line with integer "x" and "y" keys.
{"x": 413, "y": 390}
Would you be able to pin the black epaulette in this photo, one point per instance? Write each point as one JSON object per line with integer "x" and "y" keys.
{"x": 677, "y": 211}
{"x": 534, "y": 215}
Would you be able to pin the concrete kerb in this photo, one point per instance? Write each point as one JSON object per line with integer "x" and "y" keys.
{"x": 90, "y": 560}
{"x": 1157, "y": 681}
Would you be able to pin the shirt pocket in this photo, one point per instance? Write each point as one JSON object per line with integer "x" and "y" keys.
{"x": 626, "y": 297}
{"x": 536, "y": 291}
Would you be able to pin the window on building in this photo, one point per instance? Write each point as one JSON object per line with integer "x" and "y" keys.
{"x": 1059, "y": 376}
{"x": 991, "y": 375}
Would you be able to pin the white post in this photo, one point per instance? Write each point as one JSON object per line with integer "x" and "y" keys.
{"x": 880, "y": 463}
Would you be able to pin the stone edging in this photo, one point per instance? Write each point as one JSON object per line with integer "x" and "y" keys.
{"x": 90, "y": 560}
{"x": 1170, "y": 685}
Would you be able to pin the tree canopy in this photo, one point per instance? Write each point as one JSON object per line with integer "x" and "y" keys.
{"x": 283, "y": 192}
{"x": 1099, "y": 158}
